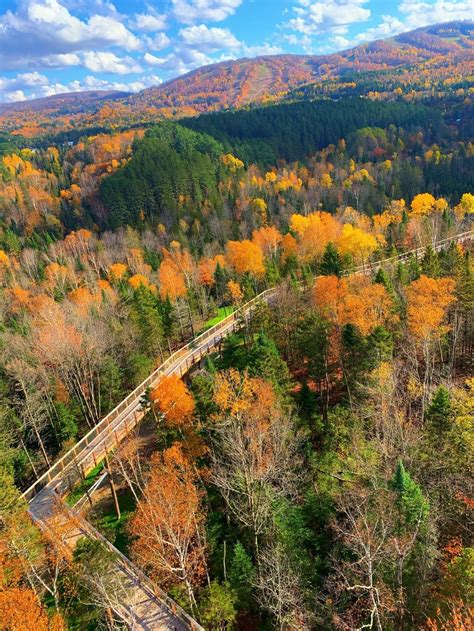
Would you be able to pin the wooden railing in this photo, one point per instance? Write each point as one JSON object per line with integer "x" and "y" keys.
{"x": 130, "y": 569}
{"x": 128, "y": 412}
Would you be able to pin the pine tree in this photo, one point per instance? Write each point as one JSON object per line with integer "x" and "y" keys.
{"x": 430, "y": 265}
{"x": 265, "y": 362}
{"x": 241, "y": 576}
{"x": 331, "y": 263}
{"x": 412, "y": 506}
{"x": 439, "y": 412}
{"x": 67, "y": 422}
{"x": 451, "y": 261}
{"x": 383, "y": 278}
{"x": 218, "y": 606}
{"x": 146, "y": 315}
{"x": 413, "y": 268}
{"x": 221, "y": 277}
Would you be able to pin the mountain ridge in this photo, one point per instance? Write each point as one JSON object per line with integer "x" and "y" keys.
{"x": 74, "y": 97}
{"x": 231, "y": 84}
{"x": 430, "y": 44}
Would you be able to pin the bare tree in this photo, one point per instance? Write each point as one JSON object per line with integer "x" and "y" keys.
{"x": 128, "y": 460}
{"x": 278, "y": 589}
{"x": 255, "y": 460}
{"x": 99, "y": 582}
{"x": 363, "y": 527}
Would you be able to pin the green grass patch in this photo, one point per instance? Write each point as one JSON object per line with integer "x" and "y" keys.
{"x": 222, "y": 313}
{"x": 79, "y": 490}
{"x": 115, "y": 530}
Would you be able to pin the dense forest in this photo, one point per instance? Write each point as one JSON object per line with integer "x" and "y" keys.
{"x": 296, "y": 130}
{"x": 313, "y": 471}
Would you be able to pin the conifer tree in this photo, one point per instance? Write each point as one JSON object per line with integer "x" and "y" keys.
{"x": 331, "y": 263}
{"x": 384, "y": 279}
{"x": 241, "y": 576}
{"x": 430, "y": 265}
{"x": 439, "y": 411}
{"x": 266, "y": 363}
{"x": 412, "y": 506}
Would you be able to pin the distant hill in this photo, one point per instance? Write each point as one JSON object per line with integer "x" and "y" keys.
{"x": 69, "y": 101}
{"x": 243, "y": 81}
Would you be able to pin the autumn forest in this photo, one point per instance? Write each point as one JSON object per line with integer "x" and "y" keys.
{"x": 310, "y": 470}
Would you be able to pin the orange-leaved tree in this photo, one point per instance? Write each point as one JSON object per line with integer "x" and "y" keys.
{"x": 172, "y": 280}
{"x": 172, "y": 398}
{"x": 168, "y": 524}
{"x": 329, "y": 293}
{"x": 427, "y": 302}
{"x": 367, "y": 305}
{"x": 245, "y": 257}
{"x": 353, "y": 301}
{"x": 20, "y": 609}
{"x": 268, "y": 238}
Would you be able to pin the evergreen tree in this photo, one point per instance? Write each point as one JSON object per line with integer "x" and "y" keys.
{"x": 412, "y": 506}
{"x": 439, "y": 412}
{"x": 67, "y": 425}
{"x": 241, "y": 576}
{"x": 383, "y": 278}
{"x": 217, "y": 607}
{"x": 147, "y": 317}
{"x": 451, "y": 261}
{"x": 413, "y": 268}
{"x": 331, "y": 263}
{"x": 265, "y": 362}
{"x": 221, "y": 277}
{"x": 430, "y": 265}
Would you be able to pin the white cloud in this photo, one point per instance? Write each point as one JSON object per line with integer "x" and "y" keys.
{"x": 61, "y": 60}
{"x": 148, "y": 22}
{"x": 93, "y": 83}
{"x": 158, "y": 42}
{"x": 23, "y": 80}
{"x": 298, "y": 40}
{"x": 109, "y": 62}
{"x": 423, "y": 13}
{"x": 44, "y": 28}
{"x": 417, "y": 14}
{"x": 13, "y": 97}
{"x": 179, "y": 62}
{"x": 190, "y": 11}
{"x": 341, "y": 42}
{"x": 31, "y": 79}
{"x": 13, "y": 88}
{"x": 152, "y": 60}
{"x": 329, "y": 16}
{"x": 209, "y": 40}
{"x": 263, "y": 49}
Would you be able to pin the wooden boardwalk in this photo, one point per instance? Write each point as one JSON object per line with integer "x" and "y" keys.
{"x": 144, "y": 605}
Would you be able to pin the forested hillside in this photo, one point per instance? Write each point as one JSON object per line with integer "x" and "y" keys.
{"x": 430, "y": 62}
{"x": 298, "y": 130}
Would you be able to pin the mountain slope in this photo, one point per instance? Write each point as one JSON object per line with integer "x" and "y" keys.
{"x": 69, "y": 101}
{"x": 432, "y": 58}
{"x": 236, "y": 83}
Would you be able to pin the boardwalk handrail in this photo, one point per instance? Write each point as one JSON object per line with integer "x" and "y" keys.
{"x": 131, "y": 569}
{"x": 184, "y": 353}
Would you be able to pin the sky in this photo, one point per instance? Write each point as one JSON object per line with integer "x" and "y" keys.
{"x": 53, "y": 46}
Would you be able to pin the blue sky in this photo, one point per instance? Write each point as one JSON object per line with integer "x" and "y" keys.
{"x": 53, "y": 46}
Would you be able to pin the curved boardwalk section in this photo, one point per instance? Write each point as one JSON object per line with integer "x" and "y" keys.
{"x": 144, "y": 605}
